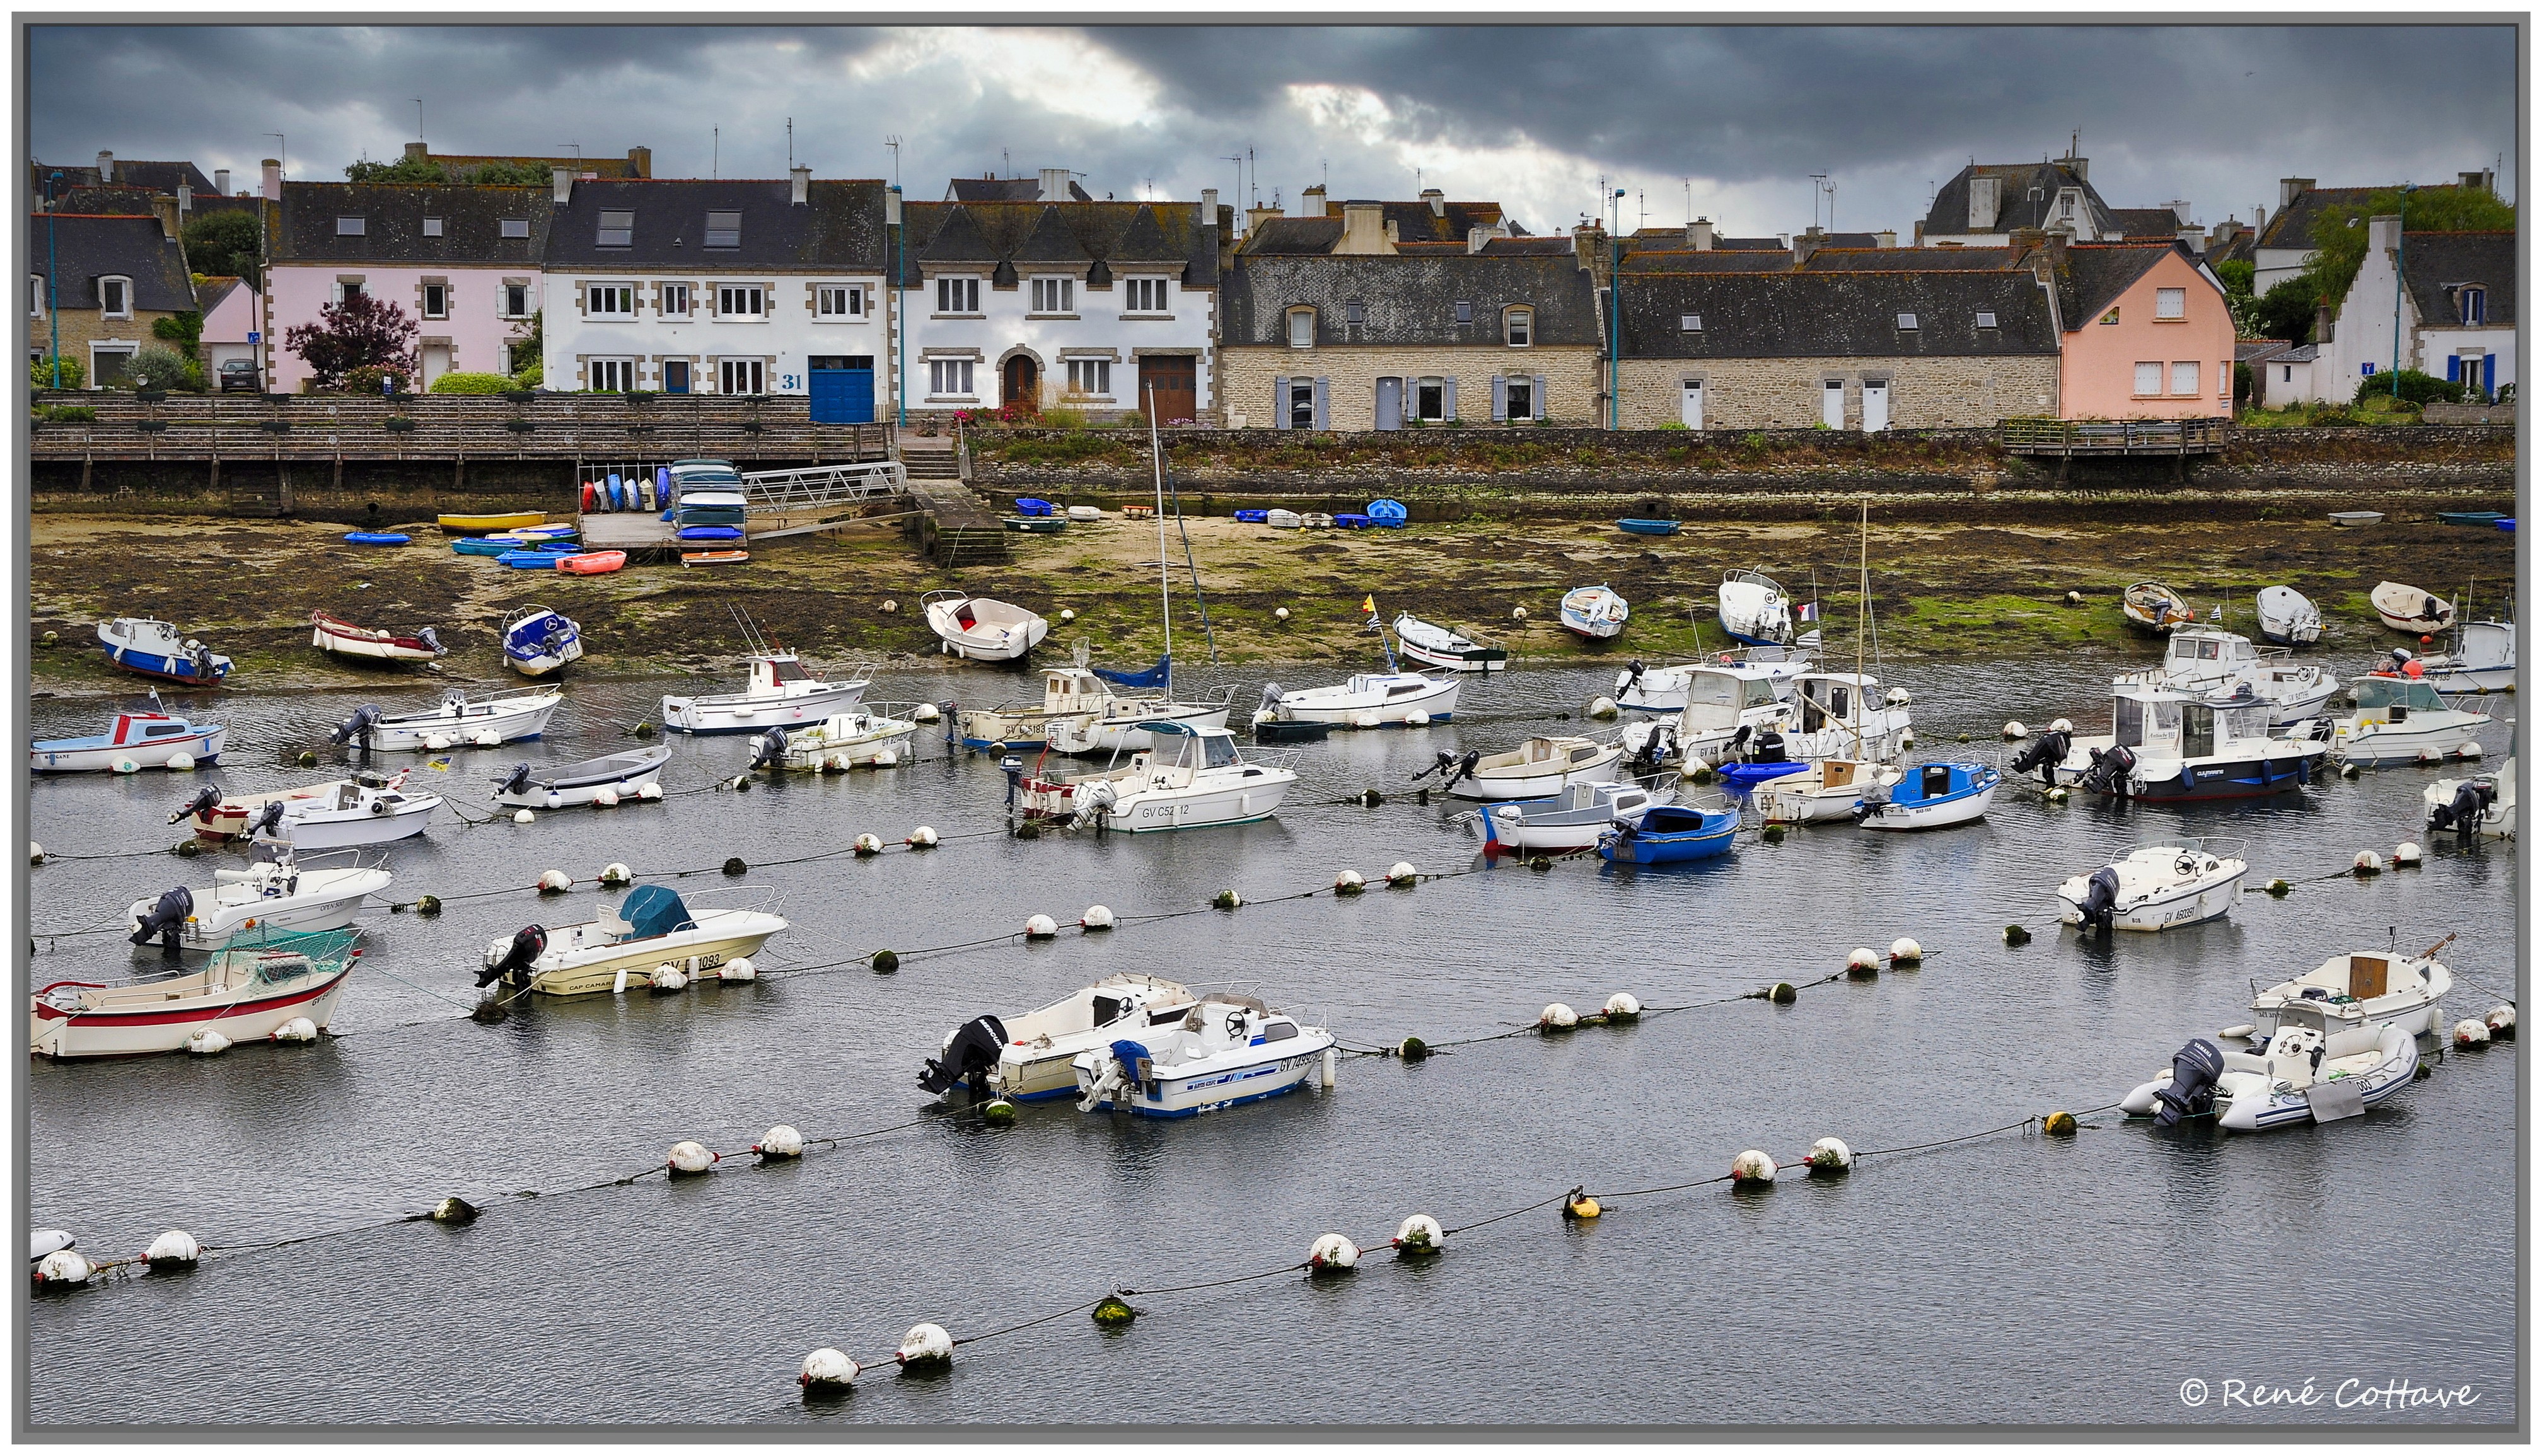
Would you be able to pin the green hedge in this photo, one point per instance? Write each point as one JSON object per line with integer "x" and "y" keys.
{"x": 471, "y": 384}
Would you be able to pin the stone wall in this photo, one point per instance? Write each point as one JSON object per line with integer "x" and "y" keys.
{"x": 1784, "y": 393}
{"x": 1351, "y": 372}
{"x": 84, "y": 326}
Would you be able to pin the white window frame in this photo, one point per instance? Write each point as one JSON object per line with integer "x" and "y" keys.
{"x": 1510, "y": 384}
{"x": 607, "y": 235}
{"x": 1437, "y": 383}
{"x": 750, "y": 371}
{"x": 633, "y": 371}
{"x": 850, "y": 299}
{"x": 1518, "y": 326}
{"x": 103, "y": 310}
{"x": 504, "y": 300}
{"x": 2171, "y": 306}
{"x": 728, "y": 294}
{"x": 952, "y": 379}
{"x": 2188, "y": 369}
{"x": 1146, "y": 296}
{"x": 424, "y": 302}
{"x": 615, "y": 293}
{"x": 1054, "y": 297}
{"x": 35, "y": 295}
{"x": 962, "y": 289}
{"x": 685, "y": 295}
{"x": 1090, "y": 377}
{"x": 2476, "y": 296}
{"x": 96, "y": 376}
{"x": 433, "y": 227}
{"x": 352, "y": 227}
{"x": 358, "y": 285}
{"x": 1302, "y": 328}
{"x": 2142, "y": 378}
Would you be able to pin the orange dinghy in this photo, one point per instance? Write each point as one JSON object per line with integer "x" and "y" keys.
{"x": 712, "y": 559}
{"x": 592, "y": 563}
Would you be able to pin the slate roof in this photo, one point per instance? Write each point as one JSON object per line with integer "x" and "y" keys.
{"x": 393, "y": 218}
{"x": 1414, "y": 224}
{"x": 1293, "y": 235}
{"x": 93, "y": 247}
{"x": 1709, "y": 260}
{"x": 2094, "y": 274}
{"x": 1007, "y": 189}
{"x": 2146, "y": 222}
{"x": 155, "y": 177}
{"x": 2432, "y": 263}
{"x": 839, "y": 228}
{"x": 2292, "y": 226}
{"x": 1909, "y": 260}
{"x": 96, "y": 201}
{"x": 209, "y": 293}
{"x": 1408, "y": 300}
{"x": 1000, "y": 235}
{"x": 1835, "y": 314}
{"x": 2015, "y": 208}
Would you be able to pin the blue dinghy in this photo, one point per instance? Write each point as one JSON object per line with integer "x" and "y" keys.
{"x": 1749, "y": 775}
{"x": 1670, "y": 833}
{"x": 1389, "y": 512}
{"x": 709, "y": 533}
{"x": 528, "y": 561}
{"x": 1642, "y": 526}
{"x": 376, "y": 539}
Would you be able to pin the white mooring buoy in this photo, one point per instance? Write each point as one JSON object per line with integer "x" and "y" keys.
{"x": 1829, "y": 1155}
{"x": 1603, "y": 707}
{"x": 616, "y": 874}
{"x": 1280, "y": 614}
{"x": 524, "y": 816}
{"x": 922, "y": 838}
{"x": 926, "y": 712}
{"x": 650, "y": 793}
{"x": 297, "y": 1029}
{"x": 605, "y": 799}
{"x": 668, "y": 977}
{"x": 1864, "y": 958}
{"x": 1904, "y": 951}
{"x": 555, "y": 882}
{"x": 739, "y": 969}
{"x": 1097, "y": 917}
{"x": 2500, "y": 1021}
{"x": 925, "y": 1344}
{"x": 868, "y": 846}
{"x": 1348, "y": 881}
{"x": 780, "y": 1141}
{"x": 174, "y": 1249}
{"x": 34, "y": 853}
{"x": 1420, "y": 1234}
{"x": 1040, "y": 928}
{"x": 1623, "y": 1006}
{"x": 1333, "y": 1254}
{"x": 64, "y": 1269}
{"x": 207, "y": 1043}
{"x": 1557, "y": 1017}
{"x": 827, "y": 1369}
{"x": 2469, "y": 1033}
{"x": 2405, "y": 855}
{"x": 1402, "y": 875}
{"x": 1752, "y": 1167}
{"x": 2367, "y": 862}
{"x": 689, "y": 1157}
{"x": 2014, "y": 731}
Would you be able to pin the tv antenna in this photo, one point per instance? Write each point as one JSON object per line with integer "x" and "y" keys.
{"x": 893, "y": 142}
{"x": 714, "y": 158}
{"x": 418, "y": 119}
{"x": 790, "y": 144}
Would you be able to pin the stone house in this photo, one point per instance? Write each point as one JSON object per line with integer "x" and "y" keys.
{"x": 100, "y": 283}
{"x": 722, "y": 287}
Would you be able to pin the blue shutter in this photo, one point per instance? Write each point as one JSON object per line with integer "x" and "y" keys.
{"x": 1541, "y": 411}
{"x": 2453, "y": 369}
{"x": 2488, "y": 373}
{"x": 1280, "y": 402}
{"x": 1500, "y": 399}
{"x": 1448, "y": 396}
{"x": 1320, "y": 416}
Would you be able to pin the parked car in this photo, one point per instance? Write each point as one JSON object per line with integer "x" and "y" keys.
{"x": 239, "y": 375}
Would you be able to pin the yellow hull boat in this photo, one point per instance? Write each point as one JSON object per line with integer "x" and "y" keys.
{"x": 500, "y": 520}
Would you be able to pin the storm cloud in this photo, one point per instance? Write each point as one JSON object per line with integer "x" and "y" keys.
{"x": 1730, "y": 122}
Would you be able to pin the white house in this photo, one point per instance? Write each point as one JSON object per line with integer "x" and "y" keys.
{"x": 730, "y": 287}
{"x": 2284, "y": 244}
{"x": 1054, "y": 301}
{"x": 2452, "y": 296}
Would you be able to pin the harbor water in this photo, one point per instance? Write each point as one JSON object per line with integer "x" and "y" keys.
{"x": 2010, "y": 1278}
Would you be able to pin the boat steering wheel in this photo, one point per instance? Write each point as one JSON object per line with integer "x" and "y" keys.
{"x": 1235, "y": 1025}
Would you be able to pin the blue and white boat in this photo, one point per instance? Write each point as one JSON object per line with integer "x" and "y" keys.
{"x": 1749, "y": 775}
{"x": 1225, "y": 1051}
{"x": 1930, "y": 796}
{"x": 1571, "y": 819}
{"x": 1671, "y": 833}
{"x": 1755, "y": 610}
{"x": 156, "y": 649}
{"x": 537, "y": 640}
{"x": 146, "y": 740}
{"x": 1596, "y": 613}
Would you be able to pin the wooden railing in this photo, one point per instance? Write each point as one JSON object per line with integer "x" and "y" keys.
{"x": 2072, "y": 437}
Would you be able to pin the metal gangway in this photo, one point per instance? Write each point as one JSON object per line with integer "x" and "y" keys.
{"x": 820, "y": 488}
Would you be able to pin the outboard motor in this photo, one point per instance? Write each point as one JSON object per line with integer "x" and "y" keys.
{"x": 1737, "y": 747}
{"x": 2110, "y": 771}
{"x": 1631, "y": 679}
{"x": 515, "y": 781}
{"x": 357, "y": 728}
{"x": 267, "y": 821}
{"x": 201, "y": 805}
{"x": 2192, "y": 1093}
{"x": 1769, "y": 745}
{"x": 528, "y": 943}
{"x": 1465, "y": 767}
{"x": 2469, "y": 807}
{"x": 165, "y": 921}
{"x": 201, "y": 657}
{"x": 454, "y": 703}
{"x": 969, "y": 1051}
{"x": 768, "y": 749}
{"x": 2044, "y": 753}
{"x": 2100, "y": 899}
{"x": 432, "y": 640}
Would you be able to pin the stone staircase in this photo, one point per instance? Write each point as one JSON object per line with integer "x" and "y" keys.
{"x": 957, "y": 529}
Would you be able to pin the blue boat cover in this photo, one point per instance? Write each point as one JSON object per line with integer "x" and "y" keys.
{"x": 1028, "y": 505}
{"x": 709, "y": 533}
{"x": 528, "y": 561}
{"x": 1154, "y": 677}
{"x": 654, "y": 910}
{"x": 1385, "y": 511}
{"x": 377, "y": 538}
{"x": 1130, "y": 1053}
{"x": 1353, "y": 520}
{"x": 1254, "y": 517}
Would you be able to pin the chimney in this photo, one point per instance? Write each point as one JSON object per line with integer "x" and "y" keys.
{"x": 1475, "y": 237}
{"x": 1310, "y": 203}
{"x": 1255, "y": 217}
{"x": 1806, "y": 244}
{"x": 272, "y": 180}
{"x": 418, "y": 152}
{"x": 221, "y": 181}
{"x": 2476, "y": 182}
{"x": 1365, "y": 233}
{"x": 639, "y": 161}
{"x": 1209, "y": 207}
{"x": 891, "y": 208}
{"x": 1699, "y": 234}
{"x": 2383, "y": 234}
{"x": 1392, "y": 236}
{"x": 2081, "y": 167}
{"x": 1887, "y": 237}
{"x": 166, "y": 207}
{"x": 800, "y": 193}
{"x": 1986, "y": 202}
{"x": 562, "y": 180}
{"x": 184, "y": 198}
{"x": 2195, "y": 240}
{"x": 106, "y": 168}
{"x": 2290, "y": 188}
{"x": 1054, "y": 185}
{"x": 1436, "y": 199}
{"x": 2325, "y": 324}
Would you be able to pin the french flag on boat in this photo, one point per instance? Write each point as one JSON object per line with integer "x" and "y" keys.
{"x": 1809, "y": 611}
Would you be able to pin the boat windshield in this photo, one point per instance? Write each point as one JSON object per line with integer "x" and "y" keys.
{"x": 2127, "y": 729}
{"x": 787, "y": 669}
{"x": 2375, "y": 694}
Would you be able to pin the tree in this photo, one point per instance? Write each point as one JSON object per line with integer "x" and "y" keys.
{"x": 362, "y": 333}
{"x": 2340, "y": 235}
{"x": 403, "y": 169}
{"x": 423, "y": 169}
{"x": 2285, "y": 311}
{"x": 185, "y": 330}
{"x": 529, "y": 346}
{"x": 225, "y": 243}
{"x": 2236, "y": 275}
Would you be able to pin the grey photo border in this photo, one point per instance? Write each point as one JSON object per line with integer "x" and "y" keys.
{"x": 23, "y": 1426}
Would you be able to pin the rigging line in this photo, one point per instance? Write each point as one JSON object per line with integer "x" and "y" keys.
{"x": 1511, "y": 1213}
{"x": 1217, "y": 1284}
{"x": 1028, "y": 1324}
{"x": 1182, "y": 524}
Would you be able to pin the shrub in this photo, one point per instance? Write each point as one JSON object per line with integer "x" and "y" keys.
{"x": 1063, "y": 418}
{"x": 69, "y": 413}
{"x": 458, "y": 383}
{"x": 224, "y": 243}
{"x": 2412, "y": 386}
{"x": 531, "y": 377}
{"x": 370, "y": 378}
{"x": 160, "y": 368}
{"x": 74, "y": 373}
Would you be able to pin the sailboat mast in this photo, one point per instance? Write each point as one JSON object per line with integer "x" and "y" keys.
{"x": 1164, "y": 576}
{"x": 1862, "y": 624}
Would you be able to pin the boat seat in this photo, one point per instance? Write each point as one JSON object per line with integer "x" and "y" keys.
{"x": 2246, "y": 1062}
{"x": 2352, "y": 1043}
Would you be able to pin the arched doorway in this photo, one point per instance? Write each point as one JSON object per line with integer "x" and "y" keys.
{"x": 1021, "y": 382}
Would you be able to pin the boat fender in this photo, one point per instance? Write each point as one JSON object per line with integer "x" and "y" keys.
{"x": 528, "y": 944}
{"x": 606, "y": 798}
{"x": 1402, "y": 875}
{"x": 2100, "y": 899}
{"x": 523, "y": 816}
{"x": 1349, "y": 882}
{"x": 1863, "y": 962}
{"x": 174, "y": 1249}
{"x": 650, "y": 793}
{"x": 922, "y": 838}
{"x": 779, "y": 1143}
{"x": 1751, "y": 1169}
{"x": 2405, "y": 855}
{"x": 181, "y": 763}
{"x": 2469, "y": 1033}
{"x": 616, "y": 874}
{"x": 63, "y": 1268}
{"x": 2466, "y": 751}
{"x": 297, "y": 1029}
{"x": 207, "y": 1043}
{"x": 2238, "y": 1032}
{"x": 454, "y": 1210}
{"x": 1828, "y": 1158}
{"x": 868, "y": 846}
{"x": 1623, "y": 1006}
{"x": 1420, "y": 1234}
{"x": 1906, "y": 951}
{"x": 166, "y": 919}
{"x": 555, "y": 882}
{"x": 827, "y": 1370}
{"x": 925, "y": 1344}
{"x": 1367, "y": 718}
{"x": 1333, "y": 1254}
{"x": 688, "y": 1159}
{"x": 126, "y": 765}
{"x": 2191, "y": 1092}
{"x": 740, "y": 970}
{"x": 2015, "y": 731}
{"x": 1557, "y": 1017}
{"x": 2367, "y": 862}
{"x": 47, "y": 1240}
{"x": 668, "y": 977}
{"x": 2500, "y": 1021}
{"x": 1040, "y": 928}
{"x": 436, "y": 741}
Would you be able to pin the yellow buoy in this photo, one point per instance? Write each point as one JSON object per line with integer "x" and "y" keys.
{"x": 1579, "y": 1206}
{"x": 2059, "y": 1125}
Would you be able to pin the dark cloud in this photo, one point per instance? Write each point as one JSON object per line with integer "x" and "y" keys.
{"x": 1530, "y": 115}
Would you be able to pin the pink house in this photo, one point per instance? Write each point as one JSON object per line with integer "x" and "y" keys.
{"x": 463, "y": 261}
{"x": 2148, "y": 334}
{"x": 232, "y": 313}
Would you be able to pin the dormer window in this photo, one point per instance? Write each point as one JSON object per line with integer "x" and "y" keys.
{"x": 2471, "y": 305}
{"x": 723, "y": 230}
{"x": 1985, "y": 320}
{"x": 351, "y": 227}
{"x": 433, "y": 227}
{"x": 114, "y": 297}
{"x": 516, "y": 226}
{"x": 1302, "y": 328}
{"x": 1906, "y": 323}
{"x": 1518, "y": 327}
{"x": 1689, "y": 323}
{"x": 616, "y": 230}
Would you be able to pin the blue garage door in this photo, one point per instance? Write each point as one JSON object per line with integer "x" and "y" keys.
{"x": 842, "y": 389}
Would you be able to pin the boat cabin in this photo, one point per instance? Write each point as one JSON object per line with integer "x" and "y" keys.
{"x": 2167, "y": 723}
{"x": 2345, "y": 986}
{"x": 1727, "y": 696}
{"x": 1835, "y": 699}
{"x": 2386, "y": 699}
{"x": 131, "y": 728}
{"x": 771, "y": 675}
{"x": 1065, "y": 690}
{"x": 1193, "y": 748}
{"x": 2207, "y": 652}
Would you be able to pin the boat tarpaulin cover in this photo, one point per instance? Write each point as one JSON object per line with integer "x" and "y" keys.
{"x": 654, "y": 910}
{"x": 1155, "y": 677}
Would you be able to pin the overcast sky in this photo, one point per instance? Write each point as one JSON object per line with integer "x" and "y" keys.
{"x": 1733, "y": 119}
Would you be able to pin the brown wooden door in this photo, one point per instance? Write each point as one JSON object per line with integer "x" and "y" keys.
{"x": 1022, "y": 383}
{"x": 1174, "y": 380}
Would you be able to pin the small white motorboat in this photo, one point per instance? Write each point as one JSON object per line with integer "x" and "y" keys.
{"x": 1538, "y": 768}
{"x": 1723, "y": 707}
{"x": 2150, "y": 606}
{"x": 1126, "y": 726}
{"x": 2160, "y": 887}
{"x": 1846, "y": 715}
{"x": 1828, "y": 789}
{"x": 1280, "y": 520}
{"x": 2406, "y": 609}
{"x": 2226, "y": 668}
{"x": 1226, "y": 1050}
{"x": 1571, "y": 819}
{"x": 366, "y": 809}
{"x": 2483, "y": 659}
{"x": 2359, "y": 988}
{"x": 556, "y": 785}
{"x": 1029, "y": 1058}
{"x": 1194, "y": 778}
{"x": 981, "y": 628}
{"x": 156, "y": 649}
{"x": 1662, "y": 690}
{"x": 1366, "y": 700}
{"x": 332, "y": 633}
{"x": 1596, "y": 613}
{"x": 836, "y": 744}
{"x": 1930, "y": 796}
{"x": 651, "y": 930}
{"x": 2288, "y": 618}
{"x": 782, "y": 694}
{"x": 273, "y": 893}
{"x": 2483, "y": 804}
{"x": 539, "y": 640}
{"x": 1447, "y": 647}
{"x": 2403, "y": 721}
{"x": 2173, "y": 747}
{"x": 243, "y": 994}
{"x": 458, "y": 721}
{"x": 219, "y": 814}
{"x": 1755, "y": 610}
{"x": 145, "y": 739}
{"x": 2315, "y": 1069}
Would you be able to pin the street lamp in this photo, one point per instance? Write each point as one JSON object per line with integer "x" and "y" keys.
{"x": 53, "y": 277}
{"x": 1614, "y": 303}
